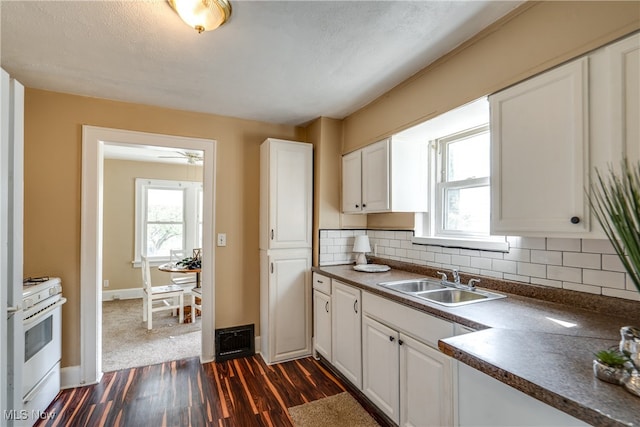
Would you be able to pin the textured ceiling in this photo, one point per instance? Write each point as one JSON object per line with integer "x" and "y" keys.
{"x": 280, "y": 62}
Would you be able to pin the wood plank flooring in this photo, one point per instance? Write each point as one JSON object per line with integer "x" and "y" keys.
{"x": 240, "y": 392}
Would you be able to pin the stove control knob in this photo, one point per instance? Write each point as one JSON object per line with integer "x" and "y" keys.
{"x": 27, "y": 303}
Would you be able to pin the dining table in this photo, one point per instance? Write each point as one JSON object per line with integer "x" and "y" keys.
{"x": 171, "y": 267}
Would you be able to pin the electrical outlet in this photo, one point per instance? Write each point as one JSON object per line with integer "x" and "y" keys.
{"x": 222, "y": 239}
{"x": 105, "y": 283}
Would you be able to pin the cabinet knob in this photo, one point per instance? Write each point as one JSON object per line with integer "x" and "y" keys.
{"x": 357, "y": 206}
{"x": 575, "y": 220}
{"x": 400, "y": 342}
{"x": 392, "y": 339}
{"x": 364, "y": 205}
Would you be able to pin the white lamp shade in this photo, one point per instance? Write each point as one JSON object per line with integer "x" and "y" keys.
{"x": 361, "y": 244}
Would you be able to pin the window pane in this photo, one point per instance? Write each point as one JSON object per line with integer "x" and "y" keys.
{"x": 165, "y": 205}
{"x": 467, "y": 209}
{"x": 469, "y": 157}
{"x": 161, "y": 238}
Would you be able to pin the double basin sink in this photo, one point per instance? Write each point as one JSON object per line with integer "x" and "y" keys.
{"x": 439, "y": 293}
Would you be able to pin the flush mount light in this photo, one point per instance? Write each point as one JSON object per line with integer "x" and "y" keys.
{"x": 202, "y": 15}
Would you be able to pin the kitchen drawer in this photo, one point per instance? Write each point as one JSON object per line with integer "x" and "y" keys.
{"x": 422, "y": 326}
{"x": 322, "y": 283}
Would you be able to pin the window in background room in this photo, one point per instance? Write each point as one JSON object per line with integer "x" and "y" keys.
{"x": 168, "y": 216}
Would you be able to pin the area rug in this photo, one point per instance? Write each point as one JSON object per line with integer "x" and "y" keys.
{"x": 335, "y": 411}
{"x": 126, "y": 342}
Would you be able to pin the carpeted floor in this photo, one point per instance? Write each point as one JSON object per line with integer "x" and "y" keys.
{"x": 334, "y": 411}
{"x": 126, "y": 342}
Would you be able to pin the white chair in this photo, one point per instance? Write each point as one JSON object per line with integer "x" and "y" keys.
{"x": 159, "y": 298}
{"x": 195, "y": 293}
{"x": 186, "y": 280}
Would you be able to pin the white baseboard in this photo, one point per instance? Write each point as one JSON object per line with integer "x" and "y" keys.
{"x": 258, "y": 345}
{"x": 116, "y": 294}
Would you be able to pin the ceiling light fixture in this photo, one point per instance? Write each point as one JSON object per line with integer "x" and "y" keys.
{"x": 202, "y": 15}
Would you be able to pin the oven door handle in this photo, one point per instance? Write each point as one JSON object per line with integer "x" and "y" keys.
{"x": 12, "y": 309}
{"x": 45, "y": 312}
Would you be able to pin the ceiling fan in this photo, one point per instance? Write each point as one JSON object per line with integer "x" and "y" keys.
{"x": 191, "y": 157}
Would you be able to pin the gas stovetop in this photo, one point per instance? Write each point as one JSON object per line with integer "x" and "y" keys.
{"x": 38, "y": 289}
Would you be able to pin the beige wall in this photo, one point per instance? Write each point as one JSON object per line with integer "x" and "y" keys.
{"x": 53, "y": 139}
{"x": 118, "y": 246}
{"x": 535, "y": 37}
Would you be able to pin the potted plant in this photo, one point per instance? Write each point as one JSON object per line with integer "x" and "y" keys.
{"x": 615, "y": 201}
{"x": 611, "y": 366}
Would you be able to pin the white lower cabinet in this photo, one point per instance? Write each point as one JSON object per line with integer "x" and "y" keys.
{"x": 380, "y": 360}
{"x": 322, "y": 315}
{"x": 408, "y": 380}
{"x": 485, "y": 401}
{"x": 346, "y": 344}
{"x": 426, "y": 385}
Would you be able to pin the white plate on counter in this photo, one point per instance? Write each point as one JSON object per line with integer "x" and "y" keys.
{"x": 372, "y": 268}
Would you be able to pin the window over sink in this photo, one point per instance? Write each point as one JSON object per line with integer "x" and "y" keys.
{"x": 459, "y": 164}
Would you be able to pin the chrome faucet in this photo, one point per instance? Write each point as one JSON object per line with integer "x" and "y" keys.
{"x": 443, "y": 277}
{"x": 472, "y": 284}
{"x": 456, "y": 277}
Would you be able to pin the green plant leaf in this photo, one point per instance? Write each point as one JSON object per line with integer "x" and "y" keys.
{"x": 615, "y": 202}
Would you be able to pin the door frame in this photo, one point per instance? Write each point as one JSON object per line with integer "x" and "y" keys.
{"x": 93, "y": 141}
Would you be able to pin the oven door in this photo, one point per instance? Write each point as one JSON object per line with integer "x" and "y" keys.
{"x": 42, "y": 345}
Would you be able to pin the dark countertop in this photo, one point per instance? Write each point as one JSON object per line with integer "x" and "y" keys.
{"x": 542, "y": 348}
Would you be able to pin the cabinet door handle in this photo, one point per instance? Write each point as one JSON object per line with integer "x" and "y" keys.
{"x": 391, "y": 338}
{"x": 272, "y": 234}
{"x": 400, "y": 342}
{"x": 575, "y": 219}
{"x": 364, "y": 205}
{"x": 319, "y": 281}
{"x": 357, "y": 206}
{"x": 326, "y": 306}
{"x": 272, "y": 267}
{"x": 355, "y": 306}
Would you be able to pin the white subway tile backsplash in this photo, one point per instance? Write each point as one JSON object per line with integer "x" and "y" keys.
{"x": 609, "y": 279}
{"x": 546, "y": 257}
{"x": 532, "y": 270}
{"x": 461, "y": 261}
{"x": 518, "y": 255}
{"x": 582, "y": 288}
{"x": 443, "y": 258}
{"x": 565, "y": 274}
{"x": 563, "y": 244}
{"x": 505, "y": 266}
{"x": 576, "y": 259}
{"x": 612, "y": 263}
{"x": 582, "y": 265}
{"x": 597, "y": 246}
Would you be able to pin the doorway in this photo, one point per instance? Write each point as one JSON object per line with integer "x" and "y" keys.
{"x": 94, "y": 140}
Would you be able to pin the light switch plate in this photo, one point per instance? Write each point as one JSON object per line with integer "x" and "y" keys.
{"x": 222, "y": 239}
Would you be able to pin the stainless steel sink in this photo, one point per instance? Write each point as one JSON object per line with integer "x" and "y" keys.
{"x": 413, "y": 285}
{"x": 434, "y": 291}
{"x": 456, "y": 297}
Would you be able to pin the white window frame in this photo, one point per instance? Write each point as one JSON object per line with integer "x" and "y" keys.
{"x": 430, "y": 225}
{"x": 191, "y": 218}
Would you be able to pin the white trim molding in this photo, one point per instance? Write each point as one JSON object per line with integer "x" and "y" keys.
{"x": 93, "y": 141}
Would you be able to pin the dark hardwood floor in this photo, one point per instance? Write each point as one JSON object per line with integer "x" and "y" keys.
{"x": 240, "y": 392}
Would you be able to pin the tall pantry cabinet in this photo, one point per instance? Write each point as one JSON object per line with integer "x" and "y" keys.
{"x": 286, "y": 196}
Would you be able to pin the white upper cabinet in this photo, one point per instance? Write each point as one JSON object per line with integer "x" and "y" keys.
{"x": 286, "y": 204}
{"x": 550, "y": 132}
{"x": 388, "y": 176}
{"x": 615, "y": 103}
{"x": 540, "y": 154}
